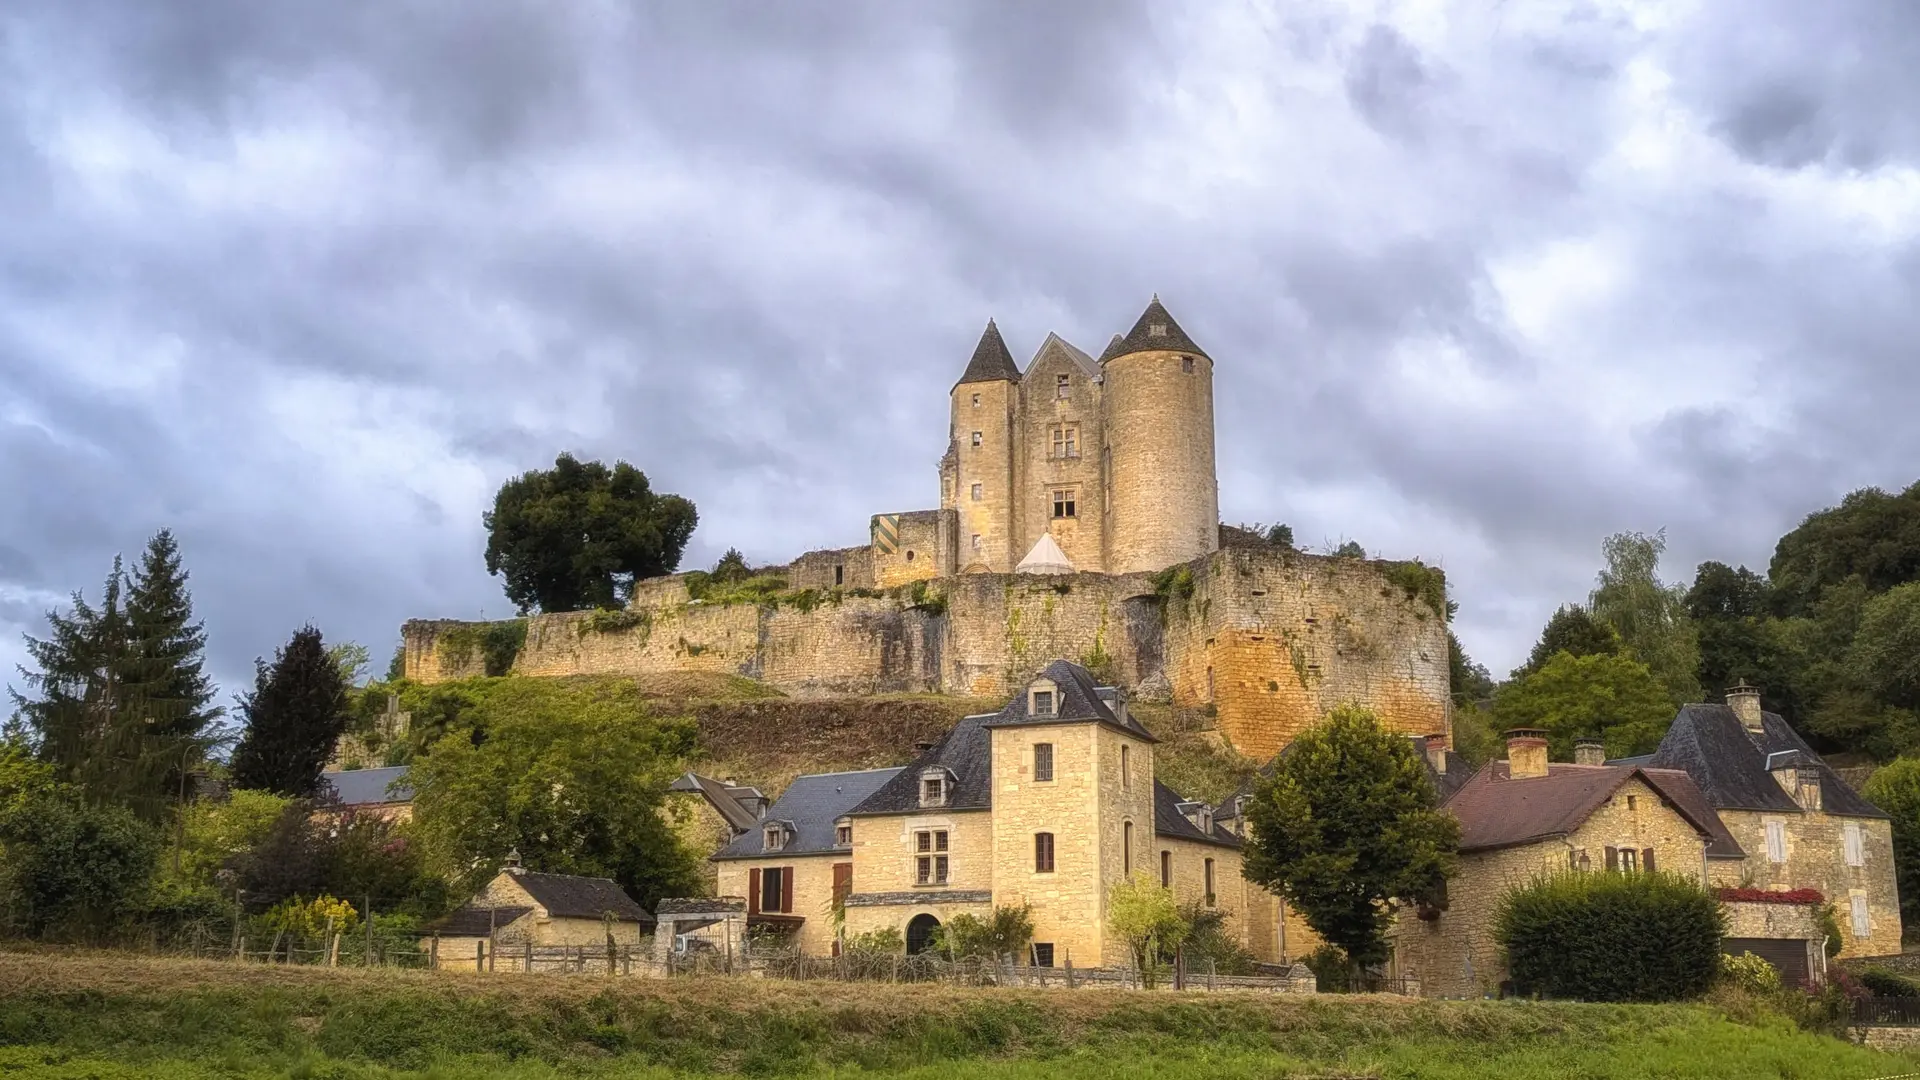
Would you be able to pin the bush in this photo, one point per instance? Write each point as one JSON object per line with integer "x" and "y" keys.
{"x": 1611, "y": 937}
{"x": 1331, "y": 967}
{"x": 1880, "y": 982}
{"x": 885, "y": 941}
{"x": 1750, "y": 973}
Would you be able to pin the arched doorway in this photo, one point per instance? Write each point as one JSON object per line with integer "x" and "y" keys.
{"x": 920, "y": 930}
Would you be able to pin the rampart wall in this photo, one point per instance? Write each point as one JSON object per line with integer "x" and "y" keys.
{"x": 1271, "y": 639}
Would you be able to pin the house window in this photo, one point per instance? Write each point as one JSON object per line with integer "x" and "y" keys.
{"x": 1043, "y": 954}
{"x": 1186, "y": 364}
{"x": 1066, "y": 441}
{"x": 1776, "y": 842}
{"x": 1126, "y": 769}
{"x": 776, "y": 838}
{"x": 1064, "y": 505}
{"x": 773, "y": 889}
{"x": 979, "y": 492}
{"x": 933, "y": 790}
{"x": 1061, "y": 384}
{"x": 976, "y": 401}
{"x": 1126, "y": 849}
{"x": 1862, "y": 926}
{"x": 1166, "y": 869}
{"x": 1630, "y": 803}
{"x": 1043, "y": 761}
{"x": 1043, "y": 853}
{"x": 976, "y": 541}
{"x": 1042, "y": 704}
{"x": 1850, "y": 837}
{"x": 976, "y": 438}
{"x": 931, "y": 863}
{"x": 843, "y": 835}
{"x": 1209, "y": 873}
{"x": 1629, "y": 860}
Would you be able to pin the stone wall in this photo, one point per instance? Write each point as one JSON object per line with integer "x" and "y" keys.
{"x": 924, "y": 549}
{"x": 1165, "y": 496}
{"x": 1816, "y": 859}
{"x": 835, "y": 568}
{"x": 1271, "y": 639}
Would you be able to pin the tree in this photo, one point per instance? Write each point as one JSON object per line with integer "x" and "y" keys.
{"x": 1871, "y": 535}
{"x": 578, "y": 535}
{"x": 573, "y": 775}
{"x": 1729, "y": 609}
{"x": 1613, "y": 698}
{"x": 1347, "y": 823}
{"x": 75, "y": 721}
{"x": 1350, "y": 550}
{"x": 1471, "y": 682}
{"x": 1144, "y": 914}
{"x": 167, "y": 687}
{"x": 298, "y": 708}
{"x": 1896, "y": 790}
{"x": 1649, "y": 615}
{"x": 213, "y": 833}
{"x": 1572, "y": 629}
{"x": 1005, "y": 933}
{"x": 732, "y": 567}
{"x": 309, "y": 851}
{"x": 72, "y": 868}
{"x": 1884, "y": 658}
{"x": 353, "y": 659}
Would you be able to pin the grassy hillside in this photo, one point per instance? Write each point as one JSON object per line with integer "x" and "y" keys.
{"x": 113, "y": 1017}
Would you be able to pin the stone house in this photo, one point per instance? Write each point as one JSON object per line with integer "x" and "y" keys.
{"x": 707, "y": 813}
{"x": 1525, "y": 817}
{"x": 1047, "y": 803}
{"x": 1800, "y": 826}
{"x": 521, "y": 907}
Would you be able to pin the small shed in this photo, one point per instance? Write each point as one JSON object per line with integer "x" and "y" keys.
{"x": 523, "y": 907}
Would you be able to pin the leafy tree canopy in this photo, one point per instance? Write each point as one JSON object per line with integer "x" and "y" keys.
{"x": 1609, "y": 697}
{"x": 1574, "y": 630}
{"x": 1871, "y": 535}
{"x": 572, "y": 775}
{"x": 309, "y": 852}
{"x": 578, "y": 535}
{"x": 1347, "y": 823}
{"x": 1896, "y": 789}
{"x": 297, "y": 709}
{"x": 71, "y": 868}
{"x": 732, "y": 567}
{"x": 1144, "y": 914}
{"x": 1649, "y": 615}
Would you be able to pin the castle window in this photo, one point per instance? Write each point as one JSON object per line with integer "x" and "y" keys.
{"x": 930, "y": 866}
{"x": 909, "y": 554}
{"x": 1066, "y": 441}
{"x": 976, "y": 541}
{"x": 976, "y": 438}
{"x": 979, "y": 492}
{"x": 1042, "y": 703}
{"x": 933, "y": 788}
{"x": 1209, "y": 875}
{"x": 1850, "y": 841}
{"x": 1043, "y": 853}
{"x": 1043, "y": 763}
{"x": 1063, "y": 503}
{"x": 1061, "y": 384}
{"x": 839, "y": 575}
{"x": 1126, "y": 769}
{"x": 976, "y": 401}
{"x": 1126, "y": 849}
{"x": 1186, "y": 364}
{"x": 1166, "y": 869}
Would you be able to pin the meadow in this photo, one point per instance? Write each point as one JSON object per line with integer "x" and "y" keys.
{"x": 108, "y": 1016}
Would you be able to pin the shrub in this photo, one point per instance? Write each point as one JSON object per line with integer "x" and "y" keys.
{"x": 1828, "y": 923}
{"x": 1880, "y": 982}
{"x": 1006, "y": 932}
{"x": 1330, "y": 966}
{"x": 1611, "y": 937}
{"x": 885, "y": 941}
{"x": 1750, "y": 973}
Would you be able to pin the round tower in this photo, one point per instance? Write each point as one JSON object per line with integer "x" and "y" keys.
{"x": 977, "y": 475}
{"x": 1163, "y": 494}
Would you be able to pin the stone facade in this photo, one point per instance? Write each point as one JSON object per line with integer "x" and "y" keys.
{"x": 812, "y": 892}
{"x": 1816, "y": 858}
{"x": 1454, "y": 954}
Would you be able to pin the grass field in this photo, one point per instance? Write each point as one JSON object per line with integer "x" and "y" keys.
{"x": 109, "y": 1017}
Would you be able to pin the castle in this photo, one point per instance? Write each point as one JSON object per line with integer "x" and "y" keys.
{"x": 1078, "y": 518}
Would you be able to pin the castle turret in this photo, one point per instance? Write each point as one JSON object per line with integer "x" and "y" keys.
{"x": 1163, "y": 494}
{"x": 977, "y": 474}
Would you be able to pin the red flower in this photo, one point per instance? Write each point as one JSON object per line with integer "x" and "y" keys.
{"x": 1770, "y": 896}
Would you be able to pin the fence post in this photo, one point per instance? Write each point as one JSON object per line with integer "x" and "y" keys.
{"x": 1069, "y": 969}
{"x": 433, "y": 953}
{"x": 1212, "y": 970}
{"x": 479, "y": 955}
{"x": 526, "y": 963}
{"x": 240, "y": 948}
{"x": 613, "y": 951}
{"x": 369, "y": 920}
{"x": 1179, "y": 967}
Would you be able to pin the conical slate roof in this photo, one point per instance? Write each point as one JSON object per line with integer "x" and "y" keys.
{"x": 1045, "y": 558}
{"x": 1155, "y": 330}
{"x": 991, "y": 361}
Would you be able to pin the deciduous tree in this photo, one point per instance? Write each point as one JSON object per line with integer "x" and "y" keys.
{"x": 1346, "y": 824}
{"x": 579, "y": 534}
{"x": 1613, "y": 698}
{"x": 1145, "y": 915}
{"x": 1649, "y": 615}
{"x": 1896, "y": 790}
{"x": 1572, "y": 629}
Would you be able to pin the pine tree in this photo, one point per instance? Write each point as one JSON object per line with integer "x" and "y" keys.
{"x": 166, "y": 681}
{"x": 297, "y": 709}
{"x": 74, "y": 719}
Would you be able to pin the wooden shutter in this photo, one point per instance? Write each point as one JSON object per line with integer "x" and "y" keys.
{"x": 842, "y": 883}
{"x": 753, "y": 891}
{"x": 786, "y": 890}
{"x": 1646, "y": 860}
{"x": 1613, "y": 858}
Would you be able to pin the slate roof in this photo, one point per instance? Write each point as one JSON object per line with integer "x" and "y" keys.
{"x": 1142, "y": 339}
{"x": 368, "y": 787}
{"x": 476, "y": 921}
{"x": 568, "y": 897}
{"x": 811, "y": 804}
{"x": 1497, "y": 811}
{"x": 1088, "y": 365}
{"x": 966, "y": 750}
{"x": 727, "y": 800}
{"x": 1729, "y": 764}
{"x": 1169, "y": 821}
{"x": 991, "y": 361}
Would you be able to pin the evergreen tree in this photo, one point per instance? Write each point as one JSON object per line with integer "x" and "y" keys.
{"x": 167, "y": 687}
{"x": 298, "y": 707}
{"x": 1573, "y": 629}
{"x": 81, "y": 661}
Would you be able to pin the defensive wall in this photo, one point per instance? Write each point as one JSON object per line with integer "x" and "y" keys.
{"x": 1270, "y": 638}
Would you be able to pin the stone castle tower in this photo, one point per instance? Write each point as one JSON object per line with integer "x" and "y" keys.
{"x": 1112, "y": 460}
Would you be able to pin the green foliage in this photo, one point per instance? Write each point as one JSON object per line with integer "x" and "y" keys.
{"x": 397, "y": 667}
{"x": 1346, "y": 824}
{"x": 1611, "y": 937}
{"x": 1884, "y": 659}
{"x": 1613, "y": 698}
{"x": 1174, "y": 585}
{"x": 352, "y": 658}
{"x": 1350, "y": 550}
{"x": 1331, "y": 968}
{"x": 1650, "y": 615}
{"x": 758, "y": 589}
{"x": 1475, "y": 735}
{"x": 71, "y": 869}
{"x": 1145, "y": 915}
{"x": 308, "y": 853}
{"x": 1730, "y": 611}
{"x": 311, "y": 918}
{"x": 1573, "y": 630}
{"x": 579, "y": 535}
{"x": 1005, "y": 933}
{"x": 1828, "y": 924}
{"x": 1419, "y": 581}
{"x": 922, "y": 596}
{"x": 603, "y": 621}
{"x": 1750, "y": 974}
{"x": 1871, "y": 536}
{"x": 1896, "y": 790}
{"x": 1211, "y": 940}
{"x": 214, "y": 833}
{"x": 296, "y": 711}
{"x": 1883, "y": 983}
{"x": 1471, "y": 682}
{"x": 886, "y": 941}
{"x": 572, "y": 774}
{"x": 732, "y": 567}
{"x": 1280, "y": 536}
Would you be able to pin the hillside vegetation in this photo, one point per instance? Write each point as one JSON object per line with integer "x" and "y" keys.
{"x": 113, "y": 1016}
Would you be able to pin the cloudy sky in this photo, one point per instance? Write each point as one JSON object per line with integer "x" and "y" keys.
{"x": 1484, "y": 281}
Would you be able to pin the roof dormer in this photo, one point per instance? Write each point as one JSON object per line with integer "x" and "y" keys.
{"x": 1043, "y": 698}
{"x": 936, "y": 786}
{"x": 776, "y": 835}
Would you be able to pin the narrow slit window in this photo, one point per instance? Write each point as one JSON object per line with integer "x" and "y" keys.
{"x": 1043, "y": 853}
{"x": 1166, "y": 869}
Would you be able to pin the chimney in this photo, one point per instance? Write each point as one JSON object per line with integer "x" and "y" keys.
{"x": 1589, "y": 752}
{"x": 923, "y": 746}
{"x": 1437, "y": 752}
{"x": 1744, "y": 700}
{"x": 1526, "y": 753}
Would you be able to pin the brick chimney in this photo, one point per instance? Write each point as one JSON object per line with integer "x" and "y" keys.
{"x": 1589, "y": 752}
{"x": 1437, "y": 752}
{"x": 1526, "y": 753}
{"x": 1744, "y": 700}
